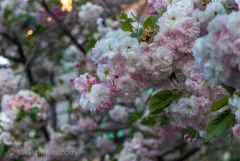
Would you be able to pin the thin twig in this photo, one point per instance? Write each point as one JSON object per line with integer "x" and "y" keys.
{"x": 63, "y": 28}
{"x": 28, "y": 63}
{"x": 187, "y": 155}
{"x": 22, "y": 58}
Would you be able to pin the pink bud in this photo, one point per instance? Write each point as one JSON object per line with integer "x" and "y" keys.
{"x": 93, "y": 80}
{"x": 71, "y": 80}
{"x": 189, "y": 140}
{"x": 151, "y": 12}
{"x": 186, "y": 137}
{"x": 116, "y": 76}
{"x": 114, "y": 89}
{"x": 77, "y": 65}
{"x": 109, "y": 103}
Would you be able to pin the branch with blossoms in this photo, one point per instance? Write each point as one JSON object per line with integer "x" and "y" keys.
{"x": 157, "y": 87}
{"x": 62, "y": 27}
{"x": 22, "y": 58}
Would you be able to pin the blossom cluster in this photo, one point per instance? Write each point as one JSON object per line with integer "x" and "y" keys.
{"x": 147, "y": 149}
{"x": 126, "y": 67}
{"x": 25, "y": 100}
{"x": 157, "y": 5}
{"x": 89, "y": 12}
{"x": 193, "y": 43}
{"x": 13, "y": 120}
{"x": 217, "y": 53}
{"x": 121, "y": 61}
{"x": 129, "y": 93}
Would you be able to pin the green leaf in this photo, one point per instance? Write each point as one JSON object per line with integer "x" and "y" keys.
{"x": 150, "y": 21}
{"x": 123, "y": 16}
{"x": 134, "y": 116}
{"x": 230, "y": 90}
{"x": 220, "y": 124}
{"x": 42, "y": 89}
{"x": 3, "y": 149}
{"x": 34, "y": 112}
{"x": 137, "y": 34}
{"x": 163, "y": 99}
{"x": 127, "y": 22}
{"x": 163, "y": 120}
{"x": 28, "y": 21}
{"x": 90, "y": 44}
{"x": 21, "y": 114}
{"x": 157, "y": 98}
{"x": 235, "y": 153}
{"x": 148, "y": 121}
{"x": 190, "y": 131}
{"x": 127, "y": 26}
{"x": 7, "y": 13}
{"x": 219, "y": 104}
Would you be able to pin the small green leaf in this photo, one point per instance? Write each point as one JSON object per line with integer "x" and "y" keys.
{"x": 29, "y": 21}
{"x": 7, "y": 13}
{"x": 137, "y": 34}
{"x": 220, "y": 124}
{"x": 163, "y": 99}
{"x": 126, "y": 22}
{"x": 42, "y": 89}
{"x": 219, "y": 104}
{"x": 163, "y": 120}
{"x": 123, "y": 16}
{"x": 21, "y": 114}
{"x": 3, "y": 149}
{"x": 150, "y": 21}
{"x": 34, "y": 112}
{"x": 159, "y": 97}
{"x": 230, "y": 90}
{"x": 148, "y": 121}
{"x": 90, "y": 44}
{"x": 134, "y": 116}
{"x": 127, "y": 26}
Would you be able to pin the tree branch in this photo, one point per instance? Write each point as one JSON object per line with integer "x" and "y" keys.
{"x": 187, "y": 155}
{"x": 22, "y": 58}
{"x": 63, "y": 28}
{"x": 45, "y": 133}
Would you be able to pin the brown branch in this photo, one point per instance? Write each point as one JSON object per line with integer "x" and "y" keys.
{"x": 45, "y": 133}
{"x": 63, "y": 28}
{"x": 187, "y": 155}
{"x": 52, "y": 102}
{"x": 22, "y": 58}
{"x": 177, "y": 147}
{"x": 15, "y": 59}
